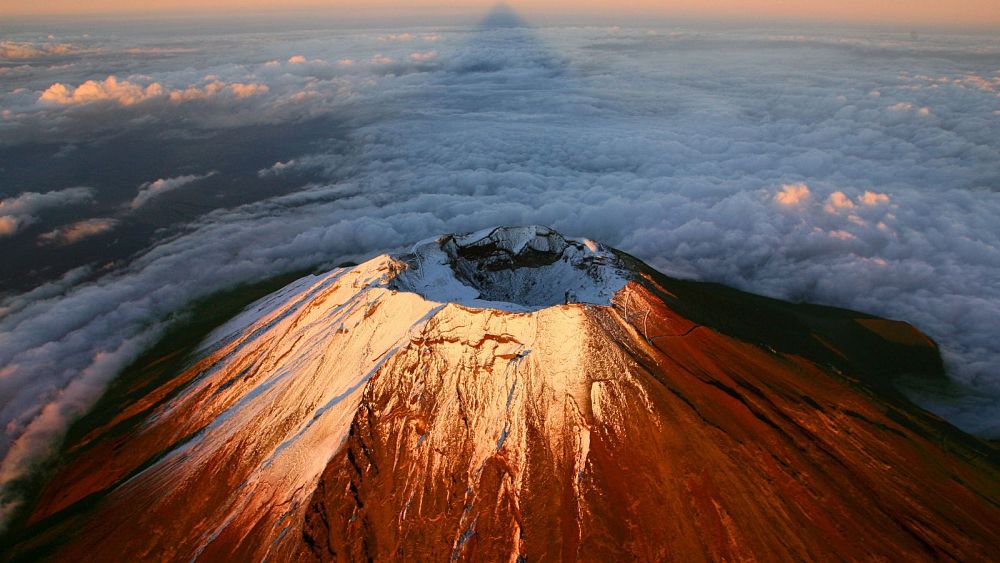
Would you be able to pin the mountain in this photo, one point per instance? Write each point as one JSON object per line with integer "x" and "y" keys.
{"x": 517, "y": 395}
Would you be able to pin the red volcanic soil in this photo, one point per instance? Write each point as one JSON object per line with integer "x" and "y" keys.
{"x": 685, "y": 421}
{"x": 708, "y": 448}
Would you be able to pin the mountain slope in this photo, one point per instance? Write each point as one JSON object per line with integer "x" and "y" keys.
{"x": 515, "y": 394}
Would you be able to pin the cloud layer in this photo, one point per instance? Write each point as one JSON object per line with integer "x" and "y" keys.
{"x": 768, "y": 160}
{"x": 80, "y": 230}
{"x": 156, "y": 188}
{"x": 32, "y": 50}
{"x": 22, "y": 210}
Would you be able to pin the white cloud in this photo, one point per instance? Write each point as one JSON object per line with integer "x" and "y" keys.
{"x": 22, "y": 210}
{"x": 838, "y": 201}
{"x": 110, "y": 89}
{"x": 906, "y": 107}
{"x": 793, "y": 194}
{"x": 216, "y": 87}
{"x": 973, "y": 80}
{"x": 80, "y": 230}
{"x": 873, "y": 198}
{"x": 127, "y": 93}
{"x": 13, "y": 304}
{"x": 423, "y": 56}
{"x": 301, "y": 60}
{"x": 407, "y": 37}
{"x": 398, "y": 37}
{"x": 28, "y": 50}
{"x": 9, "y": 225}
{"x": 277, "y": 168}
{"x": 156, "y": 188}
{"x": 241, "y": 90}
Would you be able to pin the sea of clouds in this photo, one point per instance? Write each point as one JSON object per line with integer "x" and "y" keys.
{"x": 856, "y": 168}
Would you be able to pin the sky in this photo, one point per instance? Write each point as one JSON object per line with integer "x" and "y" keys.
{"x": 146, "y": 164}
{"x": 976, "y": 13}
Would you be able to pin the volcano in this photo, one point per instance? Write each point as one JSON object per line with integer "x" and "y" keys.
{"x": 517, "y": 395}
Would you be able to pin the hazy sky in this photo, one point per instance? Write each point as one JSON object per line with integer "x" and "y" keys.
{"x": 954, "y": 12}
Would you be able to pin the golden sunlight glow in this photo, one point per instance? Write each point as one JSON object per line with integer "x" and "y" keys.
{"x": 956, "y": 12}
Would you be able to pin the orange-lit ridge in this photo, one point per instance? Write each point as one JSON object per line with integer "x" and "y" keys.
{"x": 514, "y": 395}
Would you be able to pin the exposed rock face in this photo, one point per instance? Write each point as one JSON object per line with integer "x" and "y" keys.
{"x": 515, "y": 395}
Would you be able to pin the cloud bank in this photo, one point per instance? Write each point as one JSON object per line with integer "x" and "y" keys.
{"x": 156, "y": 188}
{"x": 126, "y": 93}
{"x": 31, "y": 50}
{"x": 750, "y": 157}
{"x": 20, "y": 211}
{"x": 80, "y": 230}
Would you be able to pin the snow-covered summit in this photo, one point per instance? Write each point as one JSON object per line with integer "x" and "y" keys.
{"x": 511, "y": 268}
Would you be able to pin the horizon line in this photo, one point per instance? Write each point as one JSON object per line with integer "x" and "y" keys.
{"x": 547, "y": 16}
